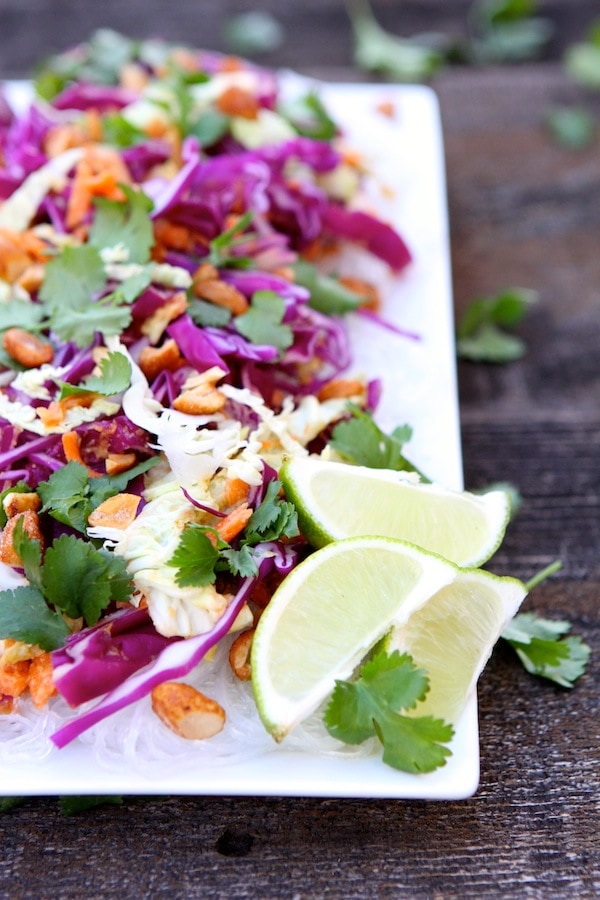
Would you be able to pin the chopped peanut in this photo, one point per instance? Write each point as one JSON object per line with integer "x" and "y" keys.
{"x": 31, "y": 279}
{"x": 221, "y": 294}
{"x": 31, "y": 527}
{"x": 14, "y": 678}
{"x": 342, "y": 387}
{"x": 186, "y": 711}
{"x": 154, "y": 360}
{"x": 41, "y": 684}
{"x": 235, "y": 101}
{"x": 115, "y": 512}
{"x": 133, "y": 77}
{"x": 239, "y": 655}
{"x": 206, "y": 272}
{"x": 18, "y": 249}
{"x": 155, "y": 324}
{"x": 200, "y": 402}
{"x": 15, "y": 502}
{"x": 119, "y": 462}
{"x": 26, "y": 348}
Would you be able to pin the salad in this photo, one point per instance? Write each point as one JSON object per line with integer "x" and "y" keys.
{"x": 173, "y": 326}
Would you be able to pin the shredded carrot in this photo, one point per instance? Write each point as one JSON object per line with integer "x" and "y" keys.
{"x": 234, "y": 522}
{"x": 99, "y": 173}
{"x": 236, "y": 490}
{"x": 54, "y": 414}
{"x": 72, "y": 450}
{"x": 18, "y": 249}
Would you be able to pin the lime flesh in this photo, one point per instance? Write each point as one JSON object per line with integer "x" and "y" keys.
{"x": 336, "y": 501}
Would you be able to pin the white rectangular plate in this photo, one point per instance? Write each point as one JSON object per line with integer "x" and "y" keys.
{"x": 405, "y": 151}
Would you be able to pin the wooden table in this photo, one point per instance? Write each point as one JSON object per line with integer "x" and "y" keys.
{"x": 523, "y": 212}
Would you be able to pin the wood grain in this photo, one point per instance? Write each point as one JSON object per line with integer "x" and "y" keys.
{"x": 522, "y": 212}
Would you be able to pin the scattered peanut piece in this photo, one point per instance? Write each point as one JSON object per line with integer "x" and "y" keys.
{"x": 387, "y": 108}
{"x": 200, "y": 402}
{"x": 154, "y": 360}
{"x": 220, "y": 293}
{"x": 15, "y": 502}
{"x": 26, "y": 348}
{"x": 342, "y": 387}
{"x": 239, "y": 655}
{"x": 186, "y": 711}
{"x": 155, "y": 325}
{"x": 31, "y": 527}
{"x": 115, "y": 512}
{"x": 116, "y": 463}
{"x": 14, "y": 678}
{"x": 99, "y": 173}
{"x": 71, "y": 443}
{"x": 236, "y": 101}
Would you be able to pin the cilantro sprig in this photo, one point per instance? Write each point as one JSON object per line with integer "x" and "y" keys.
{"x": 546, "y": 649}
{"x": 263, "y": 323}
{"x": 482, "y": 334}
{"x": 361, "y": 441}
{"x": 70, "y": 495}
{"x": 74, "y": 578}
{"x": 371, "y": 706}
{"x": 201, "y": 553}
{"x": 114, "y": 378}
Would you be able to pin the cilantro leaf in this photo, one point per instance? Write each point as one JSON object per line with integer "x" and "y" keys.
{"x": 370, "y": 707}
{"x": 114, "y": 378}
{"x": 66, "y": 495}
{"x": 377, "y": 50}
{"x": 481, "y": 334}
{"x": 327, "y": 294}
{"x": 195, "y": 557}
{"x": 124, "y": 222}
{"x": 81, "y": 580}
{"x": 21, "y": 314}
{"x": 72, "y": 278}
{"x": 30, "y": 552}
{"x": 208, "y": 315}
{"x": 572, "y": 127}
{"x": 70, "y": 495}
{"x": 308, "y": 115}
{"x": 274, "y": 518}
{"x": 240, "y": 562}
{"x": 362, "y": 442}
{"x": 507, "y": 31}
{"x": 81, "y": 324}
{"x": 544, "y": 650}
{"x": 263, "y": 323}
{"x": 25, "y": 616}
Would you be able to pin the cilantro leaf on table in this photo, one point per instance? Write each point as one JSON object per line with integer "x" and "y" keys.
{"x": 114, "y": 378}
{"x": 507, "y": 31}
{"x": 362, "y": 442}
{"x": 195, "y": 557}
{"x": 481, "y": 334}
{"x": 370, "y": 706}
{"x": 25, "y": 616}
{"x": 572, "y": 127}
{"x": 263, "y": 323}
{"x": 544, "y": 650}
{"x": 327, "y": 294}
{"x": 403, "y": 59}
{"x": 124, "y": 222}
{"x": 81, "y": 580}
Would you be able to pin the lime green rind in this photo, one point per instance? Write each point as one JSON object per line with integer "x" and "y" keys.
{"x": 354, "y": 513}
{"x": 395, "y": 576}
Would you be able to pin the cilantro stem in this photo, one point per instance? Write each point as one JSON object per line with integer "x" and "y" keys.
{"x": 543, "y": 574}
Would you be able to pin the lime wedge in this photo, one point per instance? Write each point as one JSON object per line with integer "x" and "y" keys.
{"x": 453, "y": 634}
{"x": 328, "y": 613}
{"x": 336, "y": 501}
